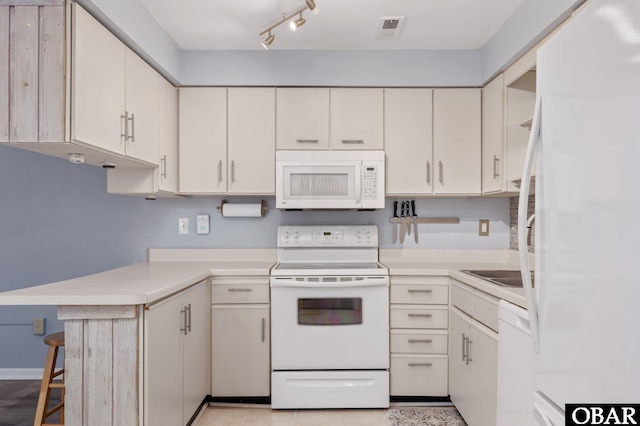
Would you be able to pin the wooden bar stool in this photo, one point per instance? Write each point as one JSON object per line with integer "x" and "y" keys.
{"x": 54, "y": 341}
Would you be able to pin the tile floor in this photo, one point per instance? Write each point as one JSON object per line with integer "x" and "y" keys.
{"x": 263, "y": 416}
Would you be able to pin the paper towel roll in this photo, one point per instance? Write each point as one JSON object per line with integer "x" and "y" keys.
{"x": 243, "y": 210}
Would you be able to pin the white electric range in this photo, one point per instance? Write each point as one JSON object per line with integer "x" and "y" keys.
{"x": 329, "y": 319}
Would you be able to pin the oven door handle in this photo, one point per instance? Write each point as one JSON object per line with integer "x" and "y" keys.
{"x": 350, "y": 284}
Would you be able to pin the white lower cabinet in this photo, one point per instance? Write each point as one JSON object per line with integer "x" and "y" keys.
{"x": 176, "y": 356}
{"x": 419, "y": 321}
{"x": 473, "y": 350}
{"x": 240, "y": 357}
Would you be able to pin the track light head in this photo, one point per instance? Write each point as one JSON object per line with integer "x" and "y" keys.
{"x": 311, "y": 4}
{"x": 297, "y": 23}
{"x": 267, "y": 42}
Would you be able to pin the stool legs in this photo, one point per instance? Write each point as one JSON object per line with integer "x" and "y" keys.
{"x": 42, "y": 409}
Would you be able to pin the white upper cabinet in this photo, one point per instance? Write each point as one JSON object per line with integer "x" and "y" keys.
{"x": 356, "y": 119}
{"x": 98, "y": 84}
{"x": 251, "y": 141}
{"x": 456, "y": 141}
{"x": 168, "y": 136}
{"x": 493, "y": 160}
{"x": 203, "y": 140}
{"x": 408, "y": 138}
{"x": 115, "y": 93}
{"x": 302, "y": 118}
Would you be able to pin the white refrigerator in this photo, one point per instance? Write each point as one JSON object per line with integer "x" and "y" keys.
{"x": 584, "y": 310}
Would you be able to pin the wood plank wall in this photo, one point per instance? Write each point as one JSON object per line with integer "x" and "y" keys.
{"x": 32, "y": 71}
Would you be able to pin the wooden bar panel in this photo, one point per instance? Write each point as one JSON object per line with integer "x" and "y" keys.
{"x": 98, "y": 373}
{"x": 125, "y": 375}
{"x": 73, "y": 371}
{"x": 23, "y": 74}
{"x": 51, "y": 76}
{"x": 4, "y": 73}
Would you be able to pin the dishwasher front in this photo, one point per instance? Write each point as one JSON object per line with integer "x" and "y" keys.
{"x": 515, "y": 366}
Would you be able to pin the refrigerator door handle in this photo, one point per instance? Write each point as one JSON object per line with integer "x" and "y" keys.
{"x": 523, "y": 249}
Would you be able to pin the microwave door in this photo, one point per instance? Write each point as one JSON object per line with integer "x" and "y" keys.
{"x": 320, "y": 186}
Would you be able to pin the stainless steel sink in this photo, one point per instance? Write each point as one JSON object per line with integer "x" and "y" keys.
{"x": 502, "y": 277}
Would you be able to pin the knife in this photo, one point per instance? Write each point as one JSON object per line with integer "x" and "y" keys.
{"x": 415, "y": 220}
{"x": 403, "y": 223}
{"x": 408, "y": 219}
{"x": 395, "y": 225}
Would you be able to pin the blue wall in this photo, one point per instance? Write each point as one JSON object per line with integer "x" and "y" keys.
{"x": 58, "y": 222}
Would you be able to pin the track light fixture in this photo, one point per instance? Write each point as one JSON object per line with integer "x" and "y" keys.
{"x": 310, "y": 5}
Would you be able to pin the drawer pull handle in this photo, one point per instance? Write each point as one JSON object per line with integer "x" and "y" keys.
{"x": 420, "y": 315}
{"x": 239, "y": 289}
{"x": 307, "y": 141}
{"x": 419, "y": 364}
{"x": 412, "y": 290}
{"x": 419, "y": 340}
{"x": 353, "y": 141}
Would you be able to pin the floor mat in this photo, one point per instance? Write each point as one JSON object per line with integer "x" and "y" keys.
{"x": 424, "y": 416}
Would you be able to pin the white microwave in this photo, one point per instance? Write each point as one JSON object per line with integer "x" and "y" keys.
{"x": 330, "y": 179}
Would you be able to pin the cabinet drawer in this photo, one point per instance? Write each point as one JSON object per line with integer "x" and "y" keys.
{"x": 239, "y": 293}
{"x": 423, "y": 294}
{"x": 462, "y": 297}
{"x": 409, "y": 316}
{"x": 485, "y": 309}
{"x": 419, "y": 375}
{"x": 409, "y": 342}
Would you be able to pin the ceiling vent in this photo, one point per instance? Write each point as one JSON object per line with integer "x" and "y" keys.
{"x": 390, "y": 27}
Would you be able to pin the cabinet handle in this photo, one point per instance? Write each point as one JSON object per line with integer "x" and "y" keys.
{"x": 420, "y": 315}
{"x": 419, "y": 340}
{"x": 419, "y": 364}
{"x": 189, "y": 318}
{"x": 240, "y": 289}
{"x": 233, "y": 171}
{"x": 495, "y": 167}
{"x": 184, "y": 320}
{"x": 353, "y": 141}
{"x": 264, "y": 324}
{"x": 428, "y": 173}
{"x": 415, "y": 290}
{"x": 440, "y": 173}
{"x": 464, "y": 347}
{"x": 132, "y": 136}
{"x": 163, "y": 165}
{"x": 124, "y": 133}
{"x": 219, "y": 171}
{"x": 469, "y": 342}
{"x": 307, "y": 141}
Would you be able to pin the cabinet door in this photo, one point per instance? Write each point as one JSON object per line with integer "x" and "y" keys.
{"x": 203, "y": 140}
{"x": 240, "y": 351}
{"x": 408, "y": 140}
{"x": 142, "y": 107}
{"x": 483, "y": 355}
{"x": 168, "y": 136}
{"x": 302, "y": 118}
{"x": 163, "y": 363}
{"x": 197, "y": 346}
{"x": 456, "y": 141}
{"x": 251, "y": 143}
{"x": 460, "y": 385}
{"x": 492, "y": 136}
{"x": 98, "y": 82}
{"x": 357, "y": 118}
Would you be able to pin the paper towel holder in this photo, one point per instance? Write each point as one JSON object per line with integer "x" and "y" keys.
{"x": 263, "y": 207}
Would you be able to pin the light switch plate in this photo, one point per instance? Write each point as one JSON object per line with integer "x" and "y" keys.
{"x": 484, "y": 228}
{"x": 183, "y": 226}
{"x": 202, "y": 224}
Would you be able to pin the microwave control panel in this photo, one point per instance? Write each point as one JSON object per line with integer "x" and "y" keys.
{"x": 370, "y": 178}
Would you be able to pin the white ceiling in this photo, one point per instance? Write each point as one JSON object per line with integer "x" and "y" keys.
{"x": 340, "y": 24}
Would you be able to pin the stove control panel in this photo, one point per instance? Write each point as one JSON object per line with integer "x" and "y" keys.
{"x": 328, "y": 236}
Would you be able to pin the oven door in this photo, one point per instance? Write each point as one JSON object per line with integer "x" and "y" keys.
{"x": 330, "y": 326}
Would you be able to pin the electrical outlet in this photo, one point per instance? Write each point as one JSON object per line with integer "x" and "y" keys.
{"x": 183, "y": 226}
{"x": 484, "y": 228}
{"x": 202, "y": 224}
{"x": 38, "y": 326}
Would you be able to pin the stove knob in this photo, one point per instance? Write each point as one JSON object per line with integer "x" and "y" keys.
{"x": 368, "y": 234}
{"x": 296, "y": 235}
{"x": 358, "y": 235}
{"x": 286, "y": 235}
